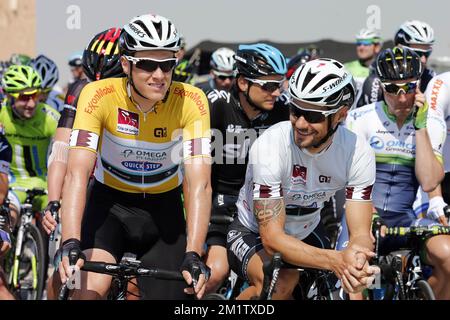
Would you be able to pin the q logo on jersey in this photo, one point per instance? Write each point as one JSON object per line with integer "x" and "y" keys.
{"x": 376, "y": 143}
{"x": 298, "y": 174}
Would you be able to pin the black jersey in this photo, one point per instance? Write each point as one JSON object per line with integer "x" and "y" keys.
{"x": 5, "y": 153}
{"x": 207, "y": 86}
{"x": 371, "y": 90}
{"x": 70, "y": 103}
{"x": 233, "y": 134}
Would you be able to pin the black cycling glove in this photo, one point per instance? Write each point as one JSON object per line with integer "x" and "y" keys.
{"x": 72, "y": 248}
{"x": 193, "y": 264}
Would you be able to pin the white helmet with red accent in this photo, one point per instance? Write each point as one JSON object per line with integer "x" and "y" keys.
{"x": 323, "y": 82}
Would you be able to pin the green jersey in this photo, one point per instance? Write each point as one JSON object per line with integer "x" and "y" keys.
{"x": 29, "y": 140}
{"x": 359, "y": 72}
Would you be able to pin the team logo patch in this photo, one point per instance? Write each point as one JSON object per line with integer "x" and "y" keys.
{"x": 233, "y": 234}
{"x": 127, "y": 122}
{"x": 298, "y": 174}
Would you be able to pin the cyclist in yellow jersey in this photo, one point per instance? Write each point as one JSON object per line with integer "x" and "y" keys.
{"x": 147, "y": 134}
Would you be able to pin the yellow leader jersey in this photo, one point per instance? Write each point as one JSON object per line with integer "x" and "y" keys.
{"x": 137, "y": 152}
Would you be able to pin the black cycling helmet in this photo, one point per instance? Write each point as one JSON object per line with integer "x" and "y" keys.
{"x": 260, "y": 59}
{"x": 398, "y": 63}
{"x": 101, "y": 57}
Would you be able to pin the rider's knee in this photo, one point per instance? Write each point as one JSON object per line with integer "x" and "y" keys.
{"x": 439, "y": 252}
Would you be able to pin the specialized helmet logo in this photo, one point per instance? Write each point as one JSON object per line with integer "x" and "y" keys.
{"x": 136, "y": 30}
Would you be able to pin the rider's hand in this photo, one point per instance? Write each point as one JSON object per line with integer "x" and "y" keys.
{"x": 196, "y": 273}
{"x": 436, "y": 210}
{"x": 5, "y": 242}
{"x": 421, "y": 110}
{"x": 358, "y": 274}
{"x": 48, "y": 222}
{"x": 70, "y": 247}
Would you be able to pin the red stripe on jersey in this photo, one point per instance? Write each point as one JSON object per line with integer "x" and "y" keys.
{"x": 349, "y": 192}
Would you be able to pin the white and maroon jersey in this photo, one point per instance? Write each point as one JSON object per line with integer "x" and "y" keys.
{"x": 279, "y": 169}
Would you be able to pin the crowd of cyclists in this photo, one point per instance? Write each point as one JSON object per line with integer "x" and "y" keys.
{"x": 212, "y": 177}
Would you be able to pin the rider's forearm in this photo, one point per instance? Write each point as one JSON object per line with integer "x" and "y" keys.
{"x": 198, "y": 212}
{"x": 55, "y": 180}
{"x": 429, "y": 171}
{"x": 73, "y": 204}
{"x": 297, "y": 252}
{"x": 3, "y": 187}
{"x": 364, "y": 241}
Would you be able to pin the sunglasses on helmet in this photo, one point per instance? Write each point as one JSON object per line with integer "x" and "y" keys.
{"x": 268, "y": 85}
{"x": 311, "y": 116}
{"x": 398, "y": 88}
{"x": 150, "y": 65}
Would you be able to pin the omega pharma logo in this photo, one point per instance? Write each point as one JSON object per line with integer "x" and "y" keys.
{"x": 376, "y": 142}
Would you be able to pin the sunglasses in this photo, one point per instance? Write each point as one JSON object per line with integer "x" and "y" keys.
{"x": 268, "y": 85}
{"x": 25, "y": 96}
{"x": 396, "y": 89}
{"x": 311, "y": 116}
{"x": 364, "y": 43}
{"x": 150, "y": 65}
{"x": 421, "y": 52}
{"x": 223, "y": 78}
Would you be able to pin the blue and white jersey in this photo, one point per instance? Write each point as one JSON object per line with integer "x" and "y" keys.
{"x": 278, "y": 168}
{"x": 395, "y": 150}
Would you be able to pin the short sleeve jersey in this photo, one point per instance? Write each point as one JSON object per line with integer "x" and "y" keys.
{"x": 137, "y": 152}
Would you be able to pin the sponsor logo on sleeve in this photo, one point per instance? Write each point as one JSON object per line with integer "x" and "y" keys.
{"x": 435, "y": 93}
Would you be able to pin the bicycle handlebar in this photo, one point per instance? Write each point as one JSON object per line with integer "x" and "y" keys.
{"x": 221, "y": 219}
{"x": 417, "y": 231}
{"x": 130, "y": 271}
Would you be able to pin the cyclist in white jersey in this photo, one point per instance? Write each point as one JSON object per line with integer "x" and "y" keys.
{"x": 438, "y": 98}
{"x": 407, "y": 141}
{"x": 294, "y": 167}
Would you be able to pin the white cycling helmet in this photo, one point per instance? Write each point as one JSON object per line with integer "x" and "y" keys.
{"x": 323, "y": 82}
{"x": 414, "y": 32}
{"x": 47, "y": 70}
{"x": 222, "y": 61}
{"x": 149, "y": 32}
{"x": 368, "y": 34}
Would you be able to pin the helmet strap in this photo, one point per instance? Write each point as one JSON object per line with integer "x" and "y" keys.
{"x": 130, "y": 79}
{"x": 249, "y": 100}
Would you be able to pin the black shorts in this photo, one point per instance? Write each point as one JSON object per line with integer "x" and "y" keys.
{"x": 152, "y": 227}
{"x": 223, "y": 205}
{"x": 445, "y": 185}
{"x": 242, "y": 244}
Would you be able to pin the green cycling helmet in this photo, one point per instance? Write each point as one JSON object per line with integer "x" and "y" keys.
{"x": 18, "y": 78}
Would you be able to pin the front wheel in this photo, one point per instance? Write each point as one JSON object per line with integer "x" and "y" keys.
{"x": 29, "y": 267}
{"x": 424, "y": 291}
